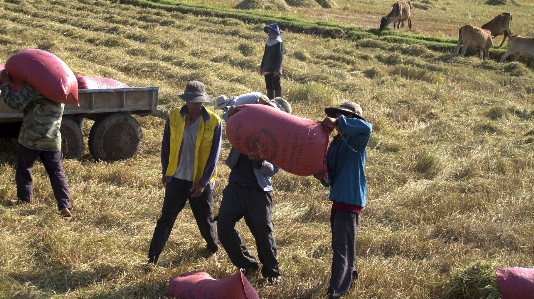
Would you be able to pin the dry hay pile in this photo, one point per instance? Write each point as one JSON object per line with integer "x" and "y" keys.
{"x": 303, "y": 3}
{"x": 276, "y": 5}
{"x": 327, "y": 3}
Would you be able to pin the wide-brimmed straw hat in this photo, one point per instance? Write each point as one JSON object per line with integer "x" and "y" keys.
{"x": 350, "y": 107}
{"x": 282, "y": 104}
{"x": 195, "y": 92}
{"x": 263, "y": 99}
{"x": 221, "y": 102}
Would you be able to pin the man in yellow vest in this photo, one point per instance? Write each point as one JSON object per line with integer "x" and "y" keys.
{"x": 189, "y": 153}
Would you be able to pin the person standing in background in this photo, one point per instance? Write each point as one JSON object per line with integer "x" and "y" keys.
{"x": 39, "y": 137}
{"x": 345, "y": 161}
{"x": 189, "y": 154}
{"x": 271, "y": 63}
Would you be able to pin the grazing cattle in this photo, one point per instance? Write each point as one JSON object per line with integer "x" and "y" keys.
{"x": 400, "y": 12}
{"x": 476, "y": 37}
{"x": 519, "y": 45}
{"x": 500, "y": 25}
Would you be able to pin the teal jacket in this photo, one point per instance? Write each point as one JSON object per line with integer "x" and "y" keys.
{"x": 345, "y": 161}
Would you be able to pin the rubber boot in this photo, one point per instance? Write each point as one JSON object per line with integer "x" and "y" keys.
{"x": 270, "y": 94}
{"x": 277, "y": 93}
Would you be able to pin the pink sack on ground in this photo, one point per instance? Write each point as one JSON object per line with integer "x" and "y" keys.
{"x": 13, "y": 87}
{"x": 45, "y": 72}
{"x": 516, "y": 282}
{"x": 296, "y": 145}
{"x": 89, "y": 82}
{"x": 200, "y": 285}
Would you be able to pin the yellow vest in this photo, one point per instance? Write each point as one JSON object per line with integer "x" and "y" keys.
{"x": 203, "y": 144}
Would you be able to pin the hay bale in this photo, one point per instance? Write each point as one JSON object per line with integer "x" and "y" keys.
{"x": 326, "y": 3}
{"x": 496, "y": 2}
{"x": 273, "y": 5}
{"x": 303, "y": 3}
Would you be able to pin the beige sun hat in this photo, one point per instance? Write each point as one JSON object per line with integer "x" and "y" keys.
{"x": 263, "y": 99}
{"x": 350, "y": 107}
{"x": 282, "y": 104}
{"x": 221, "y": 102}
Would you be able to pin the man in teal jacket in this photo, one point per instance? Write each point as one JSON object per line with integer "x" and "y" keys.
{"x": 345, "y": 176}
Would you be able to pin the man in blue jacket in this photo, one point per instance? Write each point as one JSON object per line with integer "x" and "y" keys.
{"x": 345, "y": 161}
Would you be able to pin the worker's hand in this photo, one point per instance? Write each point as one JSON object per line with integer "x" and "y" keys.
{"x": 329, "y": 123}
{"x": 319, "y": 175}
{"x": 276, "y": 74}
{"x": 261, "y": 71}
{"x": 5, "y": 76}
{"x": 197, "y": 189}
{"x": 255, "y": 157}
{"x": 163, "y": 180}
{"x": 231, "y": 111}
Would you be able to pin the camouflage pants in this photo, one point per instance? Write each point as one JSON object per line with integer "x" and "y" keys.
{"x": 52, "y": 162}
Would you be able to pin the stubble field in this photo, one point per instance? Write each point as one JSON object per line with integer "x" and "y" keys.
{"x": 450, "y": 164}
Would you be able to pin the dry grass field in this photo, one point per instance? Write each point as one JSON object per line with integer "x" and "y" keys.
{"x": 450, "y": 163}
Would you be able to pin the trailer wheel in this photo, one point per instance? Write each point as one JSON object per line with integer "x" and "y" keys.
{"x": 71, "y": 139}
{"x": 115, "y": 137}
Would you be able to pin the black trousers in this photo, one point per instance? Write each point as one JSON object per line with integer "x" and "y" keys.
{"x": 272, "y": 82}
{"x": 52, "y": 162}
{"x": 176, "y": 195}
{"x": 255, "y": 205}
{"x": 344, "y": 226}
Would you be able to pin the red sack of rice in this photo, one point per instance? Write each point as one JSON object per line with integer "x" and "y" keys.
{"x": 89, "y": 82}
{"x": 516, "y": 282}
{"x": 200, "y": 285}
{"x": 45, "y": 72}
{"x": 296, "y": 145}
{"x": 13, "y": 87}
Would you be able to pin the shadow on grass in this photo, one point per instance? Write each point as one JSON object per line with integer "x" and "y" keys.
{"x": 61, "y": 280}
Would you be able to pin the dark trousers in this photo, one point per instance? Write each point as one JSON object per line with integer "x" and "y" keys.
{"x": 255, "y": 205}
{"x": 344, "y": 226}
{"x": 176, "y": 195}
{"x": 272, "y": 82}
{"x": 52, "y": 162}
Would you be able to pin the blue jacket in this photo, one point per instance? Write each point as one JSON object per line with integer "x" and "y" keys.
{"x": 345, "y": 161}
{"x": 263, "y": 172}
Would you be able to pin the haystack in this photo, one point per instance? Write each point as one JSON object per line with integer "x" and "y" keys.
{"x": 274, "y": 5}
{"x": 303, "y": 3}
{"x": 327, "y": 3}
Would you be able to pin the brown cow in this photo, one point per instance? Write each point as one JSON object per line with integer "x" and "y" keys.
{"x": 519, "y": 45}
{"x": 400, "y": 12}
{"x": 475, "y": 36}
{"x": 500, "y": 25}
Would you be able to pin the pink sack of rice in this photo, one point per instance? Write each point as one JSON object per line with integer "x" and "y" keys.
{"x": 296, "y": 145}
{"x": 200, "y": 285}
{"x": 45, "y": 72}
{"x": 90, "y": 82}
{"x": 516, "y": 282}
